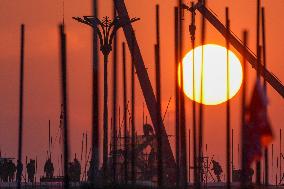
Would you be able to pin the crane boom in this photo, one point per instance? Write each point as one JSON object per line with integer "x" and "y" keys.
{"x": 148, "y": 93}
{"x": 238, "y": 45}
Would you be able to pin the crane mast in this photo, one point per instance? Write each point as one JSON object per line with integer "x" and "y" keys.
{"x": 238, "y": 45}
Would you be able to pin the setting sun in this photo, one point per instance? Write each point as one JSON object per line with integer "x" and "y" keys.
{"x": 214, "y": 74}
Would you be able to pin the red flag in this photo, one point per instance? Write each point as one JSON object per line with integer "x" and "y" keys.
{"x": 257, "y": 130}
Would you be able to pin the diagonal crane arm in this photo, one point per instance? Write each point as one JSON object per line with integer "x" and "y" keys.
{"x": 168, "y": 158}
{"x": 238, "y": 45}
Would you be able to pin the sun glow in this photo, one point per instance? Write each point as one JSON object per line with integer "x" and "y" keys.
{"x": 214, "y": 74}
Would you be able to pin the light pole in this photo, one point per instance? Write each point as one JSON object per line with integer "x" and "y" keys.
{"x": 106, "y": 30}
{"x": 196, "y": 161}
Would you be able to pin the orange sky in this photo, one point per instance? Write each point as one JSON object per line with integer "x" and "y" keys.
{"x": 42, "y": 100}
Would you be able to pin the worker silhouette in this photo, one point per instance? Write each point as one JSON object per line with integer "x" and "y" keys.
{"x": 1, "y": 171}
{"x": 4, "y": 171}
{"x": 75, "y": 170}
{"x": 148, "y": 130}
{"x": 31, "y": 170}
{"x": 217, "y": 169}
{"x": 48, "y": 168}
{"x": 19, "y": 170}
{"x": 250, "y": 173}
{"x": 11, "y": 170}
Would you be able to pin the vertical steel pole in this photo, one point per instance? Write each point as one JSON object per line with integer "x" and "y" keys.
{"x": 200, "y": 147}
{"x": 195, "y": 164}
{"x": 94, "y": 164}
{"x": 243, "y": 117}
{"x": 86, "y": 151}
{"x": 133, "y": 129}
{"x": 257, "y": 40}
{"x": 65, "y": 105}
{"x": 232, "y": 152}
{"x": 266, "y": 160}
{"x": 239, "y": 155}
{"x": 189, "y": 154}
{"x": 272, "y": 156}
{"x": 258, "y": 164}
{"x": 280, "y": 154}
{"x": 114, "y": 79}
{"x": 177, "y": 99}
{"x": 105, "y": 119}
{"x": 82, "y": 148}
{"x": 125, "y": 114}
{"x": 158, "y": 96}
{"x": 21, "y": 102}
{"x": 49, "y": 140}
{"x": 228, "y": 116}
{"x": 183, "y": 158}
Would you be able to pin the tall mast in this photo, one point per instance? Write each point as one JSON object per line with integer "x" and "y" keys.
{"x": 114, "y": 107}
{"x": 183, "y": 152}
{"x": 21, "y": 101}
{"x": 192, "y": 30}
{"x": 200, "y": 130}
{"x": 125, "y": 114}
{"x": 177, "y": 94}
{"x": 65, "y": 105}
{"x": 133, "y": 129}
{"x": 94, "y": 164}
{"x": 158, "y": 96}
{"x": 243, "y": 117}
{"x": 228, "y": 107}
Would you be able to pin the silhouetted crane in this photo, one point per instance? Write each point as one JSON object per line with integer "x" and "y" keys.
{"x": 238, "y": 45}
